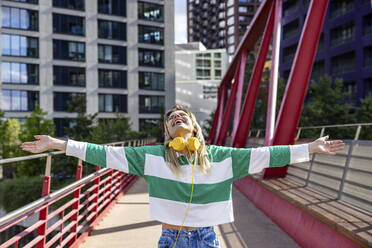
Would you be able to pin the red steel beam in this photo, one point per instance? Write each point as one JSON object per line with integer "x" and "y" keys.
{"x": 253, "y": 87}
{"x": 238, "y": 101}
{"x": 239, "y": 77}
{"x": 290, "y": 110}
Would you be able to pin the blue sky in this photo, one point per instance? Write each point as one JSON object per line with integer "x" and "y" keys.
{"x": 180, "y": 21}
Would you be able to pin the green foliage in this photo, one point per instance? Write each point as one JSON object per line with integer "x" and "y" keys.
{"x": 35, "y": 124}
{"x": 20, "y": 191}
{"x": 11, "y": 131}
{"x": 207, "y": 124}
{"x": 326, "y": 105}
{"x": 365, "y": 115}
{"x": 83, "y": 123}
{"x": 2, "y": 131}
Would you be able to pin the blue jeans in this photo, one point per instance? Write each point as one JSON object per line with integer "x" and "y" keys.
{"x": 199, "y": 238}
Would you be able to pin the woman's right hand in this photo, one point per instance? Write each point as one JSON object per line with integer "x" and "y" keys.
{"x": 43, "y": 143}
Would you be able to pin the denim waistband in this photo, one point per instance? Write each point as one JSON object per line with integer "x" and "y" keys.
{"x": 199, "y": 231}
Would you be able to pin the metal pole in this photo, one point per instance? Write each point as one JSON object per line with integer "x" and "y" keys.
{"x": 346, "y": 168}
{"x": 254, "y": 85}
{"x": 357, "y": 133}
{"x": 273, "y": 88}
{"x": 294, "y": 97}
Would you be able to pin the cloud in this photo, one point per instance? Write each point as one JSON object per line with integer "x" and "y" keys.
{"x": 180, "y": 21}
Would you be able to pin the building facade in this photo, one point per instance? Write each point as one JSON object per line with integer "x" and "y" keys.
{"x": 345, "y": 45}
{"x": 198, "y": 74}
{"x": 118, "y": 55}
{"x": 219, "y": 23}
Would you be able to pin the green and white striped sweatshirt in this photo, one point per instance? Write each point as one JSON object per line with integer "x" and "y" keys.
{"x": 169, "y": 195}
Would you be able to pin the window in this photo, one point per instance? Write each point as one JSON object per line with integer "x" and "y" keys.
{"x": 19, "y": 100}
{"x": 217, "y": 74}
{"x": 150, "y": 12}
{"x": 367, "y": 24}
{"x": 17, "y": 45}
{"x": 318, "y": 70}
{"x": 343, "y": 34}
{"x": 367, "y": 87}
{"x": 150, "y": 35}
{"x": 203, "y": 63}
{"x": 291, "y": 29}
{"x": 19, "y": 18}
{"x": 243, "y": 9}
{"x": 151, "y": 80}
{"x": 112, "y": 79}
{"x": 153, "y": 58}
{"x": 367, "y": 57}
{"x": 151, "y": 104}
{"x": 112, "y": 54}
{"x": 351, "y": 89}
{"x": 112, "y": 30}
{"x": 19, "y": 73}
{"x": 68, "y": 50}
{"x": 61, "y": 124}
{"x": 146, "y": 124}
{"x": 69, "y": 76}
{"x": 112, "y": 103}
{"x": 67, "y": 24}
{"x": 112, "y": 7}
{"x": 290, "y": 7}
{"x": 203, "y": 74}
{"x": 340, "y": 7}
{"x": 217, "y": 64}
{"x": 26, "y": 1}
{"x": 289, "y": 53}
{"x": 343, "y": 63}
{"x": 61, "y": 100}
{"x": 69, "y": 4}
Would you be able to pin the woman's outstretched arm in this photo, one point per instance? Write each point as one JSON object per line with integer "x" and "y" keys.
{"x": 43, "y": 143}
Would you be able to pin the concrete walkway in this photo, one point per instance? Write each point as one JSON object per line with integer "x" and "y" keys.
{"x": 128, "y": 225}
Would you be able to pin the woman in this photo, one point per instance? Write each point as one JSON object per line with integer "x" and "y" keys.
{"x": 187, "y": 203}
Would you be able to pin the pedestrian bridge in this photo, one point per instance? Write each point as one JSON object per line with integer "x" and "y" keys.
{"x": 328, "y": 199}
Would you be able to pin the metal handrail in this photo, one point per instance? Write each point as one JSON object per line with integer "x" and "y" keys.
{"x": 28, "y": 157}
{"x": 19, "y": 212}
{"x": 326, "y": 126}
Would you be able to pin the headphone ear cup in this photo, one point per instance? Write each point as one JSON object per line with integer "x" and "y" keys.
{"x": 178, "y": 144}
{"x": 193, "y": 144}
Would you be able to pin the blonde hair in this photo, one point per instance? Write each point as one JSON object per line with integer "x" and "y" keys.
{"x": 171, "y": 155}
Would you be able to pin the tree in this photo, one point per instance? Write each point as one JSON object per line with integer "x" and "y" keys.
{"x": 365, "y": 116}
{"x": 326, "y": 104}
{"x": 83, "y": 123}
{"x": 35, "y": 124}
{"x": 207, "y": 124}
{"x": 10, "y": 144}
{"x": 2, "y": 130}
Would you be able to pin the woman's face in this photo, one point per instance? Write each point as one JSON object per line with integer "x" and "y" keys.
{"x": 179, "y": 123}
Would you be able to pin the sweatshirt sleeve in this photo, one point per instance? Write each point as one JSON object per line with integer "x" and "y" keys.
{"x": 127, "y": 159}
{"x": 250, "y": 161}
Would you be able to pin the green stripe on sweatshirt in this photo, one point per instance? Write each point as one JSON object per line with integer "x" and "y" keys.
{"x": 178, "y": 191}
{"x": 96, "y": 154}
{"x": 279, "y": 156}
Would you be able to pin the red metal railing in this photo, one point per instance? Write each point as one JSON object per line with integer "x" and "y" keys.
{"x": 65, "y": 217}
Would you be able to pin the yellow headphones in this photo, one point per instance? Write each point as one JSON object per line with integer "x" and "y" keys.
{"x": 179, "y": 144}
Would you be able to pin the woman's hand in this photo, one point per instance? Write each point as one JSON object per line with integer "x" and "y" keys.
{"x": 43, "y": 143}
{"x": 321, "y": 145}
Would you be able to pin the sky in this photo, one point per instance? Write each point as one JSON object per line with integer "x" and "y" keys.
{"x": 180, "y": 21}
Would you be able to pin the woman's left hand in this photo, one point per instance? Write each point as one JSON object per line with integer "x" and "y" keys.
{"x": 322, "y": 145}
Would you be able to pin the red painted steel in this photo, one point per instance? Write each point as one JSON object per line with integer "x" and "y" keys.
{"x": 69, "y": 224}
{"x": 306, "y": 230}
{"x": 221, "y": 138}
{"x": 290, "y": 110}
{"x": 253, "y": 87}
{"x": 239, "y": 91}
{"x": 249, "y": 39}
{"x": 43, "y": 215}
{"x": 274, "y": 75}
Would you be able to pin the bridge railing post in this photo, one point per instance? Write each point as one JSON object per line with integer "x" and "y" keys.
{"x": 43, "y": 215}
{"x": 75, "y": 206}
{"x": 346, "y": 169}
{"x": 312, "y": 160}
